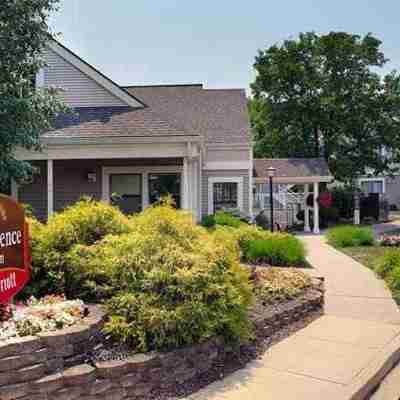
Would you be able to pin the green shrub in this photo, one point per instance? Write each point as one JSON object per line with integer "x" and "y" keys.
{"x": 222, "y": 218}
{"x": 239, "y": 238}
{"x": 274, "y": 285}
{"x": 84, "y": 223}
{"x": 343, "y": 201}
{"x": 350, "y": 236}
{"x": 208, "y": 221}
{"x": 387, "y": 263}
{"x": 171, "y": 282}
{"x": 328, "y": 215}
{"x": 388, "y": 268}
{"x": 277, "y": 250}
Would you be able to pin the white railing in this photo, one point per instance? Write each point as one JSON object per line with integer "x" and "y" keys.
{"x": 282, "y": 200}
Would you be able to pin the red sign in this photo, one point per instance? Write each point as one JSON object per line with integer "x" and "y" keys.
{"x": 15, "y": 259}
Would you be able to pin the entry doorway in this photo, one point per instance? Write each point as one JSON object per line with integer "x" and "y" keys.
{"x": 126, "y": 192}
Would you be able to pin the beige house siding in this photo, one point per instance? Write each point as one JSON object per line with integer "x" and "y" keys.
{"x": 226, "y": 173}
{"x": 393, "y": 190}
{"x": 79, "y": 89}
{"x": 227, "y": 155}
{"x": 35, "y": 194}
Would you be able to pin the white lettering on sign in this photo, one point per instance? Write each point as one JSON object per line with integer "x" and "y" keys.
{"x": 8, "y": 283}
{"x": 2, "y": 259}
{"x": 9, "y": 239}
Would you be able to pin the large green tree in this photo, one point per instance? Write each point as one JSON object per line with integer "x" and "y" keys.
{"x": 323, "y": 96}
{"x": 25, "y": 112}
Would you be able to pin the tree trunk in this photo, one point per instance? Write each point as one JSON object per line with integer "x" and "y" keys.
{"x": 316, "y": 142}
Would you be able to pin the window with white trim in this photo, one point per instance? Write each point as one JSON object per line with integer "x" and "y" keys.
{"x": 372, "y": 186}
{"x": 225, "y": 193}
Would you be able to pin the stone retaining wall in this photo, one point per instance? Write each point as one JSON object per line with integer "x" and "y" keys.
{"x": 27, "y": 369}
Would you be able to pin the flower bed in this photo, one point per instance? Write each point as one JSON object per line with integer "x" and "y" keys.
{"x": 45, "y": 315}
{"x": 389, "y": 240}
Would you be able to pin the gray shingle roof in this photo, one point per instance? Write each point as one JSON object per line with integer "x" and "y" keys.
{"x": 114, "y": 121}
{"x": 220, "y": 115}
{"x": 292, "y": 167}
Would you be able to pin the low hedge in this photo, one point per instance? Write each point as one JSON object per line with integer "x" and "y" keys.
{"x": 350, "y": 236}
{"x": 257, "y": 245}
{"x": 222, "y": 219}
{"x": 277, "y": 250}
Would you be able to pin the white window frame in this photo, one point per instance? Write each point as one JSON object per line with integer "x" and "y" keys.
{"x": 144, "y": 171}
{"x": 225, "y": 179}
{"x": 383, "y": 180}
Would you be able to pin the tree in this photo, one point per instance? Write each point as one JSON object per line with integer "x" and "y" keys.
{"x": 25, "y": 113}
{"x": 320, "y": 96}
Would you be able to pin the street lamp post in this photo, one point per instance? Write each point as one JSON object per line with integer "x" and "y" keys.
{"x": 271, "y": 174}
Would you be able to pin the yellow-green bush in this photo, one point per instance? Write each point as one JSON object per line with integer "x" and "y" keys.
{"x": 85, "y": 223}
{"x": 172, "y": 283}
{"x": 387, "y": 267}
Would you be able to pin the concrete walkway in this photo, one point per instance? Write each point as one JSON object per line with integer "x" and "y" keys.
{"x": 335, "y": 356}
{"x": 352, "y": 290}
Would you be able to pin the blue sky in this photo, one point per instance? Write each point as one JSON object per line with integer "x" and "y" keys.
{"x": 212, "y": 42}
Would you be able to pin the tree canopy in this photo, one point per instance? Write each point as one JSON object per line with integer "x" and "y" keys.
{"x": 323, "y": 96}
{"x": 25, "y": 112}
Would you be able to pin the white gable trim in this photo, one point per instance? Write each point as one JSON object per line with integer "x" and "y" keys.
{"x": 93, "y": 74}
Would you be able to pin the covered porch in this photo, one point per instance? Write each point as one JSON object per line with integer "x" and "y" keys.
{"x": 131, "y": 176}
{"x": 294, "y": 181}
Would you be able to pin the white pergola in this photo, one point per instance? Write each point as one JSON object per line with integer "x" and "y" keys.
{"x": 297, "y": 172}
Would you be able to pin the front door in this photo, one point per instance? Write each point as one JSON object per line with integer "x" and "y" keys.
{"x": 126, "y": 192}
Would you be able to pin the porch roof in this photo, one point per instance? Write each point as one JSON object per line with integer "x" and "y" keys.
{"x": 120, "y": 121}
{"x": 293, "y": 170}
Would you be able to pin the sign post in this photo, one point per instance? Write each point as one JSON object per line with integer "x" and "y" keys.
{"x": 15, "y": 258}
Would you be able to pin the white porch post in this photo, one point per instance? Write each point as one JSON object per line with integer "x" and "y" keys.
{"x": 145, "y": 190}
{"x": 316, "y": 208}
{"x": 50, "y": 188}
{"x": 14, "y": 190}
{"x": 307, "y": 228}
{"x": 185, "y": 200}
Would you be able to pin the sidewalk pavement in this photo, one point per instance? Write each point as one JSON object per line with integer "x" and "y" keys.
{"x": 335, "y": 356}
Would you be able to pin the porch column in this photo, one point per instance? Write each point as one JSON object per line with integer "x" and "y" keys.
{"x": 50, "y": 188}
{"x": 185, "y": 199}
{"x": 195, "y": 188}
{"x": 316, "y": 208}
{"x": 306, "y": 210}
{"x": 14, "y": 190}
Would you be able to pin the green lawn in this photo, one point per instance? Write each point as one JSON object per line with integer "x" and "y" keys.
{"x": 366, "y": 255}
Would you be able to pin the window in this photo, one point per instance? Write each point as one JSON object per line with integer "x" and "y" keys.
{"x": 225, "y": 196}
{"x": 225, "y": 192}
{"x": 164, "y": 184}
{"x": 126, "y": 192}
{"x": 372, "y": 186}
